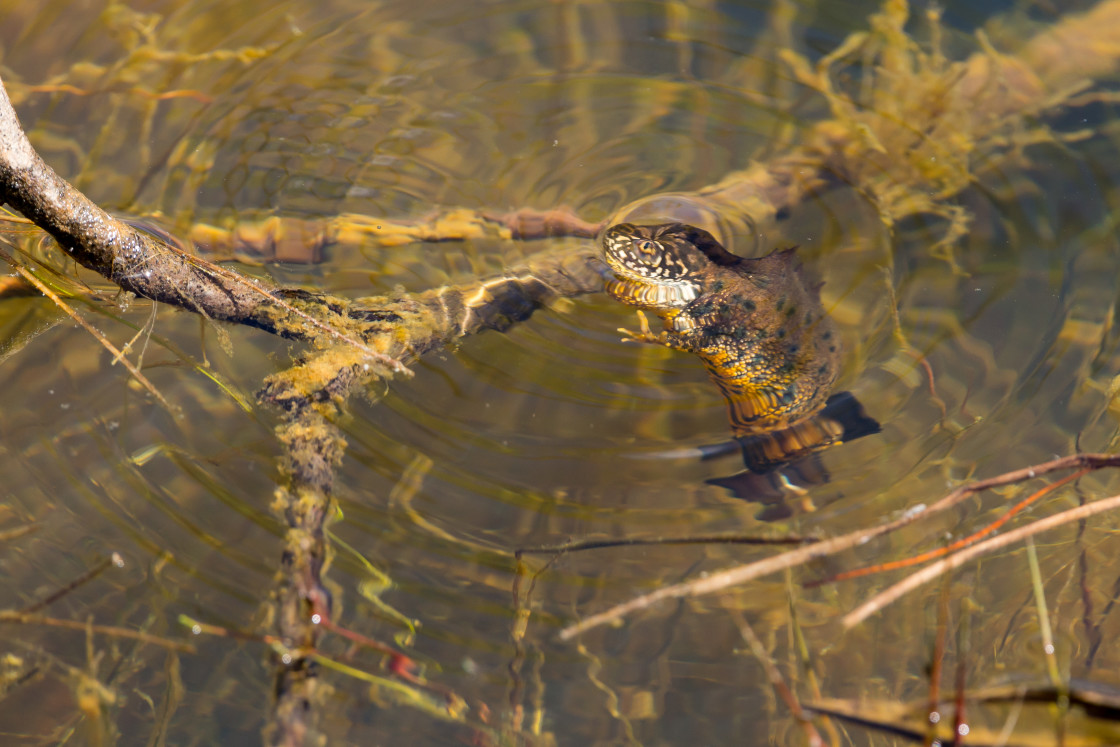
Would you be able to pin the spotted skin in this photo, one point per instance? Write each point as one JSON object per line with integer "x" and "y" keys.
{"x": 757, "y": 325}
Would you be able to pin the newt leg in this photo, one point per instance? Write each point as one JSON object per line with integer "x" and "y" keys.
{"x": 643, "y": 334}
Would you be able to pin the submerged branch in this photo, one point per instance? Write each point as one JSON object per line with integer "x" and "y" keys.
{"x": 302, "y": 241}
{"x": 932, "y": 571}
{"x": 699, "y": 539}
{"x": 129, "y": 258}
{"x": 723, "y": 580}
{"x": 408, "y": 326}
{"x": 911, "y": 129}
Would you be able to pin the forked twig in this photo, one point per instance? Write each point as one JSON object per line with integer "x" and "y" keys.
{"x": 930, "y": 572}
{"x": 722, "y": 580}
{"x": 389, "y": 362}
{"x": 953, "y": 546}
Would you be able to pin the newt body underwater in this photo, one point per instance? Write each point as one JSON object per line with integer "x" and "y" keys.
{"x": 758, "y": 326}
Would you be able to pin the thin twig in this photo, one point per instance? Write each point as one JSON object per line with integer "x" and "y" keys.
{"x": 961, "y": 699}
{"x": 930, "y": 572}
{"x": 933, "y": 703}
{"x": 722, "y": 580}
{"x": 699, "y": 539}
{"x": 963, "y": 542}
{"x": 812, "y": 736}
{"x": 53, "y": 597}
{"x": 522, "y": 609}
{"x": 1045, "y": 631}
{"x": 117, "y": 354}
{"x": 11, "y": 616}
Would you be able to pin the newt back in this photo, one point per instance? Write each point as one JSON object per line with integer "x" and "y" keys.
{"x": 757, "y": 324}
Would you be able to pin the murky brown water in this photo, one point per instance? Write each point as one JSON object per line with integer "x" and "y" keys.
{"x": 553, "y": 431}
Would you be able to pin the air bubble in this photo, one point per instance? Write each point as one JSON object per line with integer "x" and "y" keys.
{"x": 691, "y": 210}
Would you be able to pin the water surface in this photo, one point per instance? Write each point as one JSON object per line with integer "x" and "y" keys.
{"x": 553, "y": 431}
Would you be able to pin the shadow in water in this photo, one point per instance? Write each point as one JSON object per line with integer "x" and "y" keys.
{"x": 787, "y": 461}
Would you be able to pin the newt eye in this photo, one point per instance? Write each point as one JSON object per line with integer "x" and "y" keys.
{"x": 648, "y": 247}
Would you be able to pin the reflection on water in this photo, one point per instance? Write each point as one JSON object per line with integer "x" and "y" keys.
{"x": 552, "y": 431}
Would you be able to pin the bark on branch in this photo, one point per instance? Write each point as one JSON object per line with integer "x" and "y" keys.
{"x": 125, "y": 256}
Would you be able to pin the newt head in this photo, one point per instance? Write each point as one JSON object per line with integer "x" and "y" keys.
{"x": 661, "y": 267}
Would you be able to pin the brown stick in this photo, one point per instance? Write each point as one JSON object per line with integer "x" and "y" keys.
{"x": 698, "y": 539}
{"x": 812, "y": 736}
{"x": 110, "y": 247}
{"x": 952, "y": 547}
{"x": 722, "y": 580}
{"x": 930, "y": 572}
{"x": 138, "y": 263}
{"x": 57, "y": 594}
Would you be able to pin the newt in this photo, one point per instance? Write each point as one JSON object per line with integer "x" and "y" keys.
{"x": 758, "y": 326}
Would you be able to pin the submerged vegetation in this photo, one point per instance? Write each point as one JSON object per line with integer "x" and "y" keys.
{"x": 900, "y": 123}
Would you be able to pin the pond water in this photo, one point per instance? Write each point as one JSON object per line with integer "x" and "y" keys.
{"x": 186, "y": 112}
